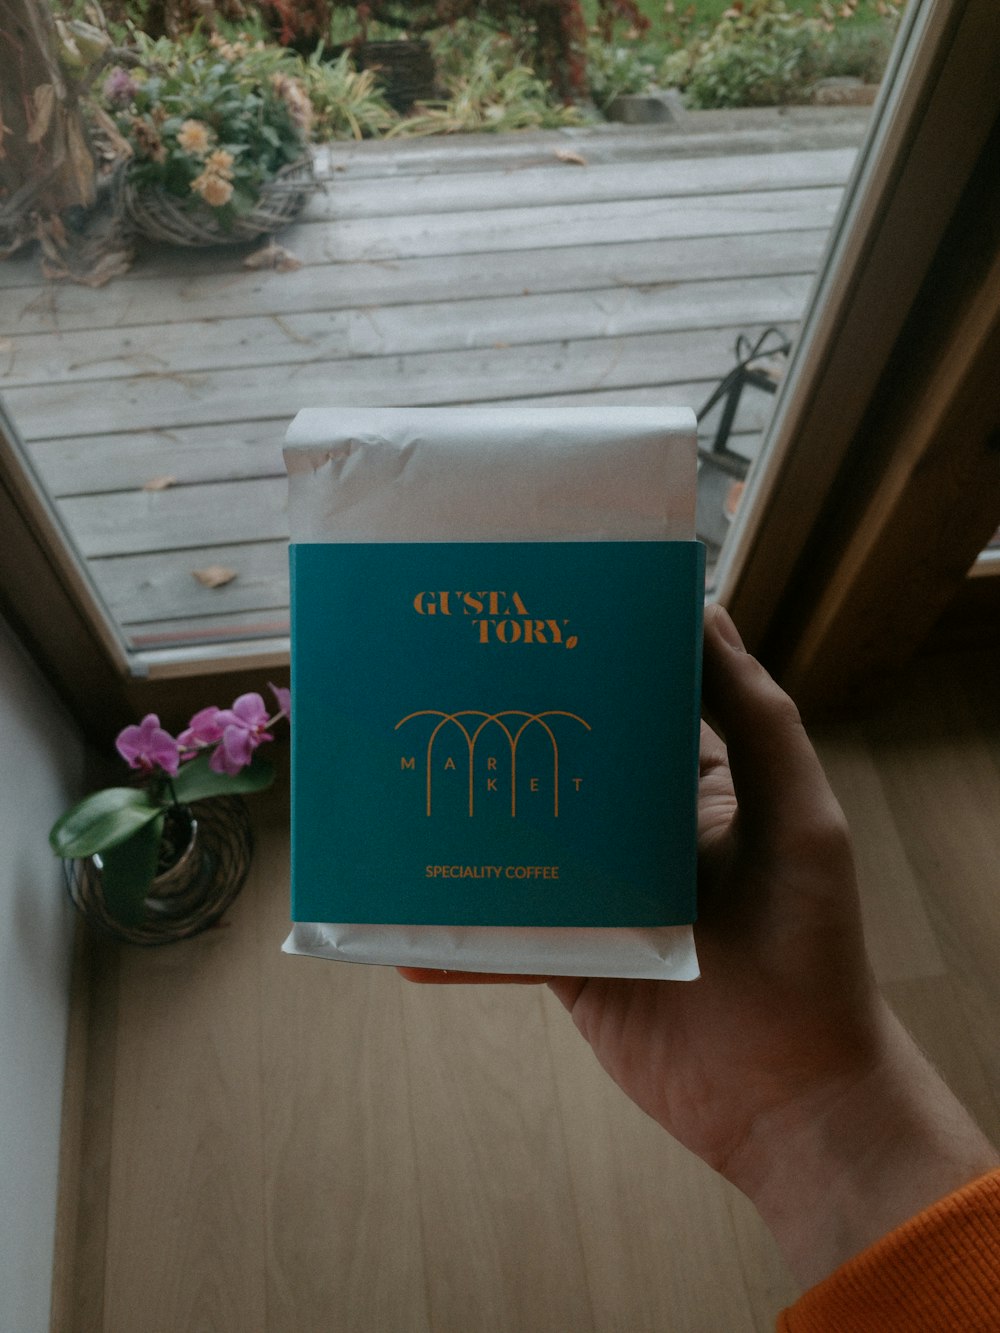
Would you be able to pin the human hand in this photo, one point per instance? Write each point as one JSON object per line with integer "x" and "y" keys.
{"x": 786, "y": 1002}
{"x": 781, "y": 1066}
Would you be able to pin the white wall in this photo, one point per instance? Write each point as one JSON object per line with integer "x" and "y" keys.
{"x": 41, "y": 767}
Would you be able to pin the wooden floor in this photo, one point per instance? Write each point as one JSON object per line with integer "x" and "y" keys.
{"x": 473, "y": 270}
{"x": 263, "y": 1144}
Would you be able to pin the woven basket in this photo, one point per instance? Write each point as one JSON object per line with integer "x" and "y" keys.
{"x": 159, "y": 216}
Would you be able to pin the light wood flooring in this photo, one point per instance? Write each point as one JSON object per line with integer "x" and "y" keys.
{"x": 469, "y": 270}
{"x": 263, "y": 1144}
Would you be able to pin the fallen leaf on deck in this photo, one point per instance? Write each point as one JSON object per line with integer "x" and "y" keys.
{"x": 574, "y": 159}
{"x": 214, "y": 576}
{"x": 159, "y": 483}
{"x": 273, "y": 256}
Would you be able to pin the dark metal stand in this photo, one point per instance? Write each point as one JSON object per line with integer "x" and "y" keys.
{"x": 719, "y": 466}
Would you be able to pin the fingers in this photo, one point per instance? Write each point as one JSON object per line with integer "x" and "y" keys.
{"x": 434, "y": 976}
{"x": 780, "y": 786}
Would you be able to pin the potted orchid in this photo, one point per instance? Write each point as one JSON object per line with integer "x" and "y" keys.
{"x": 136, "y": 848}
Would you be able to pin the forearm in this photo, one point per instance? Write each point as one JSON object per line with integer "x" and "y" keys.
{"x": 846, "y": 1165}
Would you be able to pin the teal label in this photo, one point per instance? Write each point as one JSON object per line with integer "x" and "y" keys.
{"x": 496, "y": 733}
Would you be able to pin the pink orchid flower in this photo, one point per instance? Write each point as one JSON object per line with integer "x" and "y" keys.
{"x": 148, "y": 746}
{"x": 284, "y": 699}
{"x": 243, "y": 729}
{"x": 203, "y": 729}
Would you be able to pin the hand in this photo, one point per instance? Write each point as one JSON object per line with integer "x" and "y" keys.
{"x": 781, "y": 1066}
{"x": 786, "y": 1002}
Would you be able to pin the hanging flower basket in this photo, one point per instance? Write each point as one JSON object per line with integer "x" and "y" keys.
{"x": 156, "y": 214}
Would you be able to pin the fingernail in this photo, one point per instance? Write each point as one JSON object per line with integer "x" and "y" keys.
{"x": 727, "y": 630}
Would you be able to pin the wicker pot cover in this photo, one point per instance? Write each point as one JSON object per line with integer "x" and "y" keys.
{"x": 160, "y": 216}
{"x": 189, "y": 895}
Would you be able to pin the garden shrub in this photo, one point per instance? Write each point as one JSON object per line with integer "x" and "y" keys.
{"x": 763, "y": 53}
{"x": 860, "y": 53}
{"x": 614, "y": 70}
{"x": 488, "y": 89}
{"x": 760, "y": 55}
{"x": 347, "y": 103}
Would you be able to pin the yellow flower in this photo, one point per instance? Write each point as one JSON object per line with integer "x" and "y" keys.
{"x": 194, "y": 137}
{"x": 220, "y": 163}
{"x": 215, "y": 190}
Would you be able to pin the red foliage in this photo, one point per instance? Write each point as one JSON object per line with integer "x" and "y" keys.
{"x": 298, "y": 23}
{"x": 609, "y": 11}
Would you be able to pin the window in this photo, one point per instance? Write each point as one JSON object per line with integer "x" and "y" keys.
{"x": 814, "y": 490}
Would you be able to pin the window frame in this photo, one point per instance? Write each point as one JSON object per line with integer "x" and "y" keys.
{"x": 816, "y": 496}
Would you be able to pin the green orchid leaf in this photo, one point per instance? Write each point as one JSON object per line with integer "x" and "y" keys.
{"x": 127, "y": 872}
{"x": 102, "y": 820}
{"x": 196, "y": 780}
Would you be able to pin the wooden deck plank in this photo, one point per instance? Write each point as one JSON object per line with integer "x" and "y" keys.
{"x": 553, "y": 226}
{"x": 179, "y": 518}
{"x": 389, "y": 331}
{"x": 143, "y": 588}
{"x": 560, "y": 184}
{"x": 215, "y": 285}
{"x": 419, "y": 379}
{"x": 558, "y": 226}
{"x": 712, "y": 134}
{"x": 129, "y": 459}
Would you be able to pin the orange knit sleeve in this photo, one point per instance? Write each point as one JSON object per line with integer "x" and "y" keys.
{"x": 940, "y": 1270}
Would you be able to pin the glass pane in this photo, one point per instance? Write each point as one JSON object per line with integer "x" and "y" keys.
{"x": 602, "y": 262}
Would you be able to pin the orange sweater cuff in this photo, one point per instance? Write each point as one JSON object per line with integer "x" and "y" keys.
{"x": 940, "y": 1269}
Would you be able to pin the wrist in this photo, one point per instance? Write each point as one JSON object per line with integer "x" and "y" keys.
{"x": 852, "y": 1159}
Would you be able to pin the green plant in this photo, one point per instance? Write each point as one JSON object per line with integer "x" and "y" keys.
{"x": 346, "y": 102}
{"x": 860, "y": 52}
{"x": 614, "y": 69}
{"x": 763, "y": 52}
{"x": 492, "y": 93}
{"x": 205, "y": 123}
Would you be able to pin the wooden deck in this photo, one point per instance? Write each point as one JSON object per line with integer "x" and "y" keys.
{"x": 433, "y": 272}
